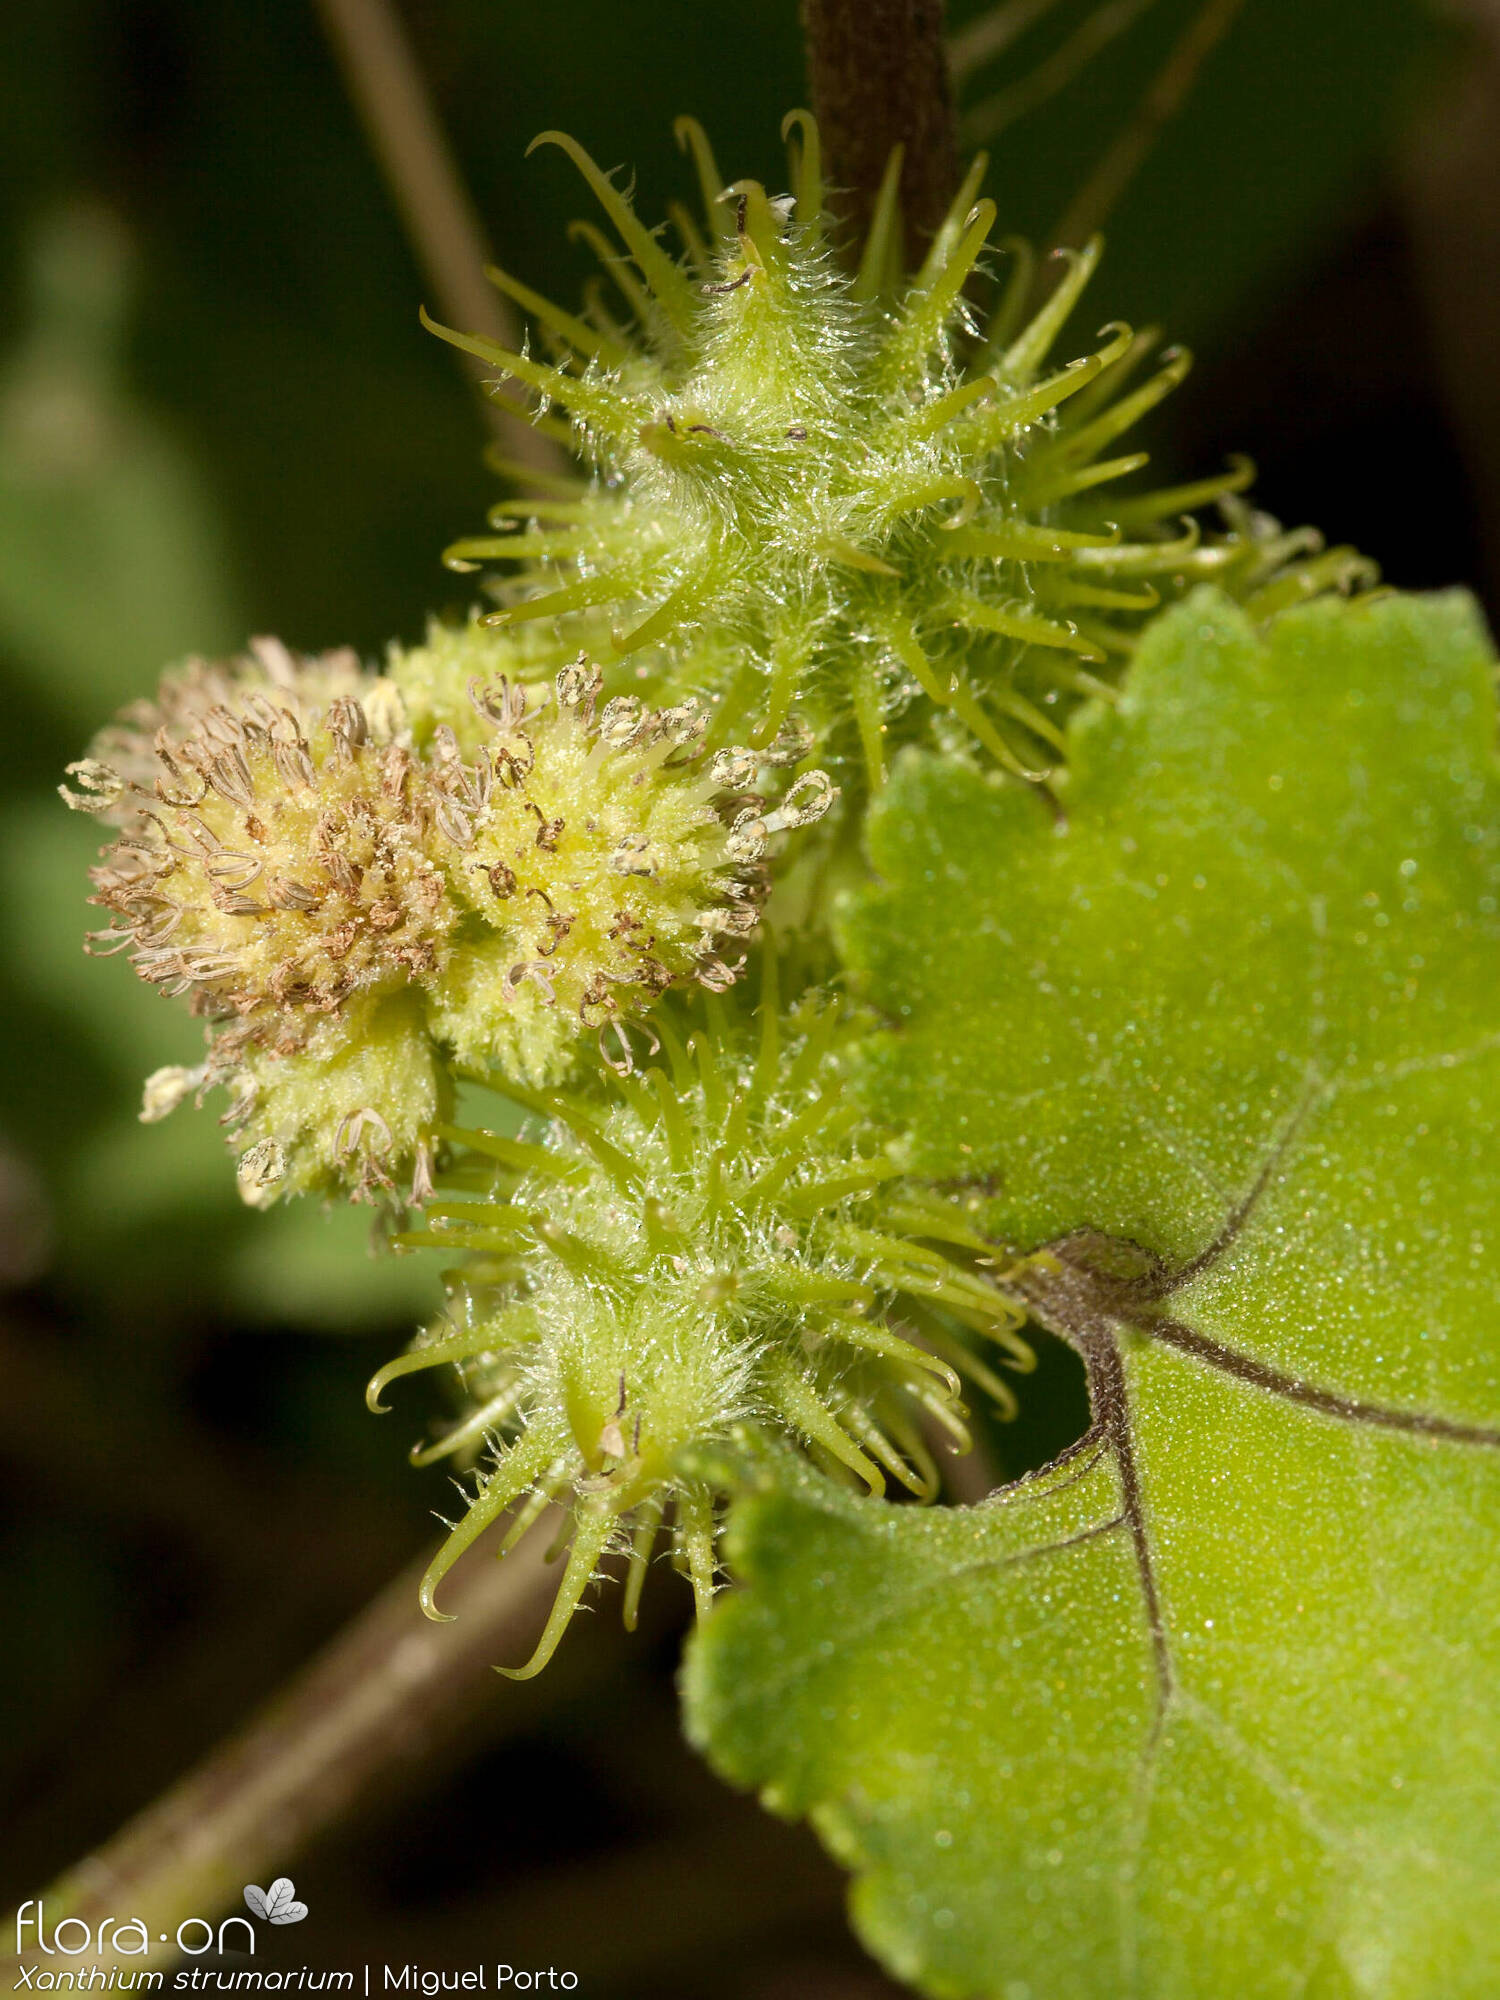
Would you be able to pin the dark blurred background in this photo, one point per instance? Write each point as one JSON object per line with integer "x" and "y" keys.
{"x": 218, "y": 416}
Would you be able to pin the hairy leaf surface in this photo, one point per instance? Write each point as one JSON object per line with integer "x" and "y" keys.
{"x": 1212, "y": 1704}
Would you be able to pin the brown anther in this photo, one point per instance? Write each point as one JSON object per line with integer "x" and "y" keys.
{"x": 505, "y": 705}
{"x": 182, "y": 801}
{"x": 629, "y": 857}
{"x": 419, "y": 957}
{"x": 281, "y": 983}
{"x": 222, "y": 727}
{"x": 654, "y": 976}
{"x": 329, "y": 999}
{"x": 596, "y": 994}
{"x": 620, "y": 721}
{"x": 533, "y": 969}
{"x": 285, "y": 894}
{"x": 342, "y": 873}
{"x": 481, "y": 783}
{"x": 276, "y": 657}
{"x": 738, "y": 920}
{"x": 559, "y": 927}
{"x": 294, "y": 766}
{"x": 395, "y": 769}
{"x": 104, "y": 944}
{"x": 548, "y": 831}
{"x": 234, "y": 871}
{"x": 229, "y": 775}
{"x": 233, "y": 904}
{"x": 578, "y": 686}
{"x": 455, "y": 824}
{"x": 352, "y": 1127}
{"x": 445, "y": 751}
{"x": 198, "y": 830}
{"x": 511, "y": 766}
{"x": 794, "y": 741}
{"x": 735, "y": 768}
{"x": 348, "y": 725}
{"x": 718, "y": 977}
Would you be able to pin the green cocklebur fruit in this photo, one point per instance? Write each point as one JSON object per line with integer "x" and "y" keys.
{"x": 842, "y": 489}
{"x": 719, "y": 1242}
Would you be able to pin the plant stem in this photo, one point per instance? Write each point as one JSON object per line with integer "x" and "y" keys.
{"x": 878, "y": 77}
{"x": 380, "y": 1693}
{"x": 385, "y": 82}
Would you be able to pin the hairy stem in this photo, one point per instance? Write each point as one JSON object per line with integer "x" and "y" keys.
{"x": 878, "y": 76}
{"x": 379, "y": 1694}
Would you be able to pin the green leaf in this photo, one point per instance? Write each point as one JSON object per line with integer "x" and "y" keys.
{"x": 1210, "y": 1705}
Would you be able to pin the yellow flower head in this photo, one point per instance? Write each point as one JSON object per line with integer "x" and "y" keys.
{"x": 361, "y": 908}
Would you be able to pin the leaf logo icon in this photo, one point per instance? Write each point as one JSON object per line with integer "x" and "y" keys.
{"x": 278, "y": 1904}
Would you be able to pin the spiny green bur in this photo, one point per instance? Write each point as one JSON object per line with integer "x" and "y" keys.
{"x": 844, "y": 489}
{"x": 717, "y": 1244}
